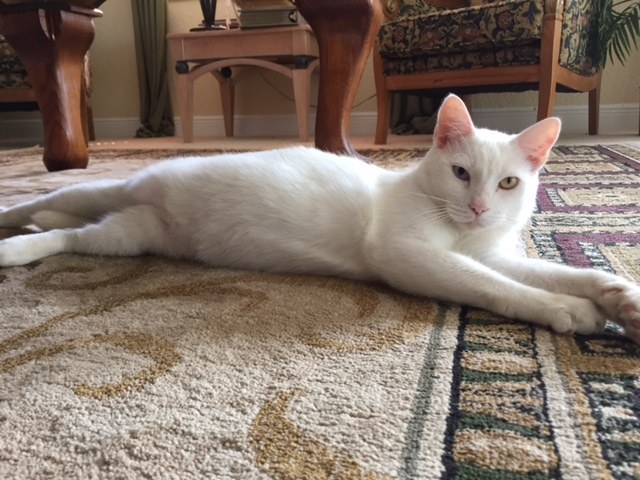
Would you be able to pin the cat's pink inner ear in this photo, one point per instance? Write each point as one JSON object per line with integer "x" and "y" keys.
{"x": 537, "y": 141}
{"x": 454, "y": 122}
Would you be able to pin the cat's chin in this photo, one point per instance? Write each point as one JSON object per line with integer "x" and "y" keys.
{"x": 476, "y": 224}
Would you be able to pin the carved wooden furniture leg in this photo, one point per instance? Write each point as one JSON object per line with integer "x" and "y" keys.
{"x": 52, "y": 43}
{"x": 345, "y": 30}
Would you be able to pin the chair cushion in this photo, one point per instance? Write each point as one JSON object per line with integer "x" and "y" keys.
{"x": 484, "y": 27}
{"x": 12, "y": 72}
{"x": 508, "y": 56}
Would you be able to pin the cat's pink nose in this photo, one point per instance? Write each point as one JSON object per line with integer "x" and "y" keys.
{"x": 478, "y": 208}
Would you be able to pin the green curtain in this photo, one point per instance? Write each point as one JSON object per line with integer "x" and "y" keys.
{"x": 150, "y": 29}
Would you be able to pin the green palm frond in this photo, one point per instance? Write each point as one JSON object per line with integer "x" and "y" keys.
{"x": 618, "y": 30}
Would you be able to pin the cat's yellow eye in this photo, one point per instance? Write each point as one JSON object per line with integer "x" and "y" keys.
{"x": 508, "y": 183}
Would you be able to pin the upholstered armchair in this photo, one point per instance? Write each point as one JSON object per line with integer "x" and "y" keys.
{"x": 471, "y": 46}
{"x": 15, "y": 90}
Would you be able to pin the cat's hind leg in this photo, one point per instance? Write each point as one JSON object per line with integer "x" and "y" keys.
{"x": 76, "y": 204}
{"x": 133, "y": 231}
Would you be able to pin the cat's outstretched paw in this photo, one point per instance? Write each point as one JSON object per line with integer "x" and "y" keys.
{"x": 576, "y": 315}
{"x": 621, "y": 302}
{"x": 24, "y": 249}
{"x": 13, "y": 252}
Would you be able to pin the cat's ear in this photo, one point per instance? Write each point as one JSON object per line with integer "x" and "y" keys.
{"x": 454, "y": 122}
{"x": 537, "y": 140}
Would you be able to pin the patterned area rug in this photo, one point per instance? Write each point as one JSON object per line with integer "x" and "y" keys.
{"x": 150, "y": 368}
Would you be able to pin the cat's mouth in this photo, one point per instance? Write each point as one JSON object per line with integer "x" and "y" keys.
{"x": 468, "y": 220}
{"x": 477, "y": 223}
{"x": 471, "y": 221}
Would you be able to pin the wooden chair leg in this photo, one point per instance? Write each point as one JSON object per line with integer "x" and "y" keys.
{"x": 594, "y": 108}
{"x": 546, "y": 98}
{"x": 382, "y": 120}
{"x": 383, "y": 98}
{"x": 88, "y": 127}
{"x": 91, "y": 128}
{"x": 549, "y": 58}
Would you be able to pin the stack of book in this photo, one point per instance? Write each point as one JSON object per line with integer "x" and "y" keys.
{"x": 265, "y": 13}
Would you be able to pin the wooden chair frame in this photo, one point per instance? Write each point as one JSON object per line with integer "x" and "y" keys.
{"x": 548, "y": 77}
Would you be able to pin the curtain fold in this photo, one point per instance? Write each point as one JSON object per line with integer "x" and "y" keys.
{"x": 150, "y": 29}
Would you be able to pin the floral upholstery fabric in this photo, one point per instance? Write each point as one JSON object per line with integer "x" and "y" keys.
{"x": 523, "y": 55}
{"x": 416, "y": 7}
{"x": 487, "y": 33}
{"x": 12, "y": 72}
{"x": 501, "y": 24}
{"x": 579, "y": 29}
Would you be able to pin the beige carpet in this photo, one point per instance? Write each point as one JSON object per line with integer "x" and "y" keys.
{"x": 150, "y": 368}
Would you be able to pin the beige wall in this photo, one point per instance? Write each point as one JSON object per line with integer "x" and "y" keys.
{"x": 260, "y": 92}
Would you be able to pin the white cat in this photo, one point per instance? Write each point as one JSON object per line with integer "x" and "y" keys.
{"x": 447, "y": 228}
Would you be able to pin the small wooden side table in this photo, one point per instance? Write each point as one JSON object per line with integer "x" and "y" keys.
{"x": 291, "y": 51}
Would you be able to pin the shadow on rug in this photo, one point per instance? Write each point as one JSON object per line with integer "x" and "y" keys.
{"x": 145, "y": 367}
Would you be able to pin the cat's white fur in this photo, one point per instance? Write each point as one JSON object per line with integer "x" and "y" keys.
{"x": 447, "y": 228}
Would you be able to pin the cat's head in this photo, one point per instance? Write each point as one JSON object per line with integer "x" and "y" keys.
{"x": 484, "y": 178}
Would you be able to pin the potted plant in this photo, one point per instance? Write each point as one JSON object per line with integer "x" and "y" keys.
{"x": 618, "y": 30}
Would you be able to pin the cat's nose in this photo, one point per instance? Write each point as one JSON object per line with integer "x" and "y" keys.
{"x": 478, "y": 208}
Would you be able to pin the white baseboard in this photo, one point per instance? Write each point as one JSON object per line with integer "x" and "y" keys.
{"x": 614, "y": 119}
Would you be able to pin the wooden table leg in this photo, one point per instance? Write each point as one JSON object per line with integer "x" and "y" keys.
{"x": 51, "y": 45}
{"x": 346, "y": 31}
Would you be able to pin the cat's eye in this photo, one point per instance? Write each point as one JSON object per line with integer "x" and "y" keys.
{"x": 461, "y": 173}
{"x": 508, "y": 183}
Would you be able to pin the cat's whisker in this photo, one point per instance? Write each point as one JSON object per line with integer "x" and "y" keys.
{"x": 431, "y": 214}
{"x": 432, "y": 197}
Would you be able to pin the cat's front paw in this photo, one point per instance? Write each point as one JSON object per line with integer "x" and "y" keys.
{"x": 576, "y": 315}
{"x": 621, "y": 302}
{"x": 17, "y": 251}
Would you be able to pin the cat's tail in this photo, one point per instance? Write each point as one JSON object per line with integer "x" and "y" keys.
{"x": 50, "y": 220}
